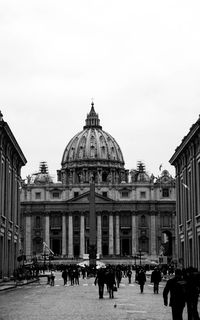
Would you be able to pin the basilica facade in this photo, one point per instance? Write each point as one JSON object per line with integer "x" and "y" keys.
{"x": 134, "y": 211}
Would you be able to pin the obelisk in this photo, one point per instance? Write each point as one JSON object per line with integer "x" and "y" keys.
{"x": 92, "y": 224}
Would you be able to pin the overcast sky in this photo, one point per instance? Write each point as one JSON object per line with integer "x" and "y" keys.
{"x": 139, "y": 60}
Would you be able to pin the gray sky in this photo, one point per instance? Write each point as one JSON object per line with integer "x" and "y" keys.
{"x": 139, "y": 60}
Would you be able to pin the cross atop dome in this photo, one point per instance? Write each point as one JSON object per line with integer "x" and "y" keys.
{"x": 92, "y": 118}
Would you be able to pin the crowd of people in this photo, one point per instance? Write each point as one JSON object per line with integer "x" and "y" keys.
{"x": 182, "y": 287}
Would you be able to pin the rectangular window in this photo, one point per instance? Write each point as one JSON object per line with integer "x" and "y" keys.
{"x": 37, "y": 222}
{"x": 76, "y": 194}
{"x": 198, "y": 188}
{"x": 38, "y": 195}
{"x": 165, "y": 192}
{"x": 125, "y": 194}
{"x": 189, "y": 198}
{"x": 142, "y": 195}
{"x": 166, "y": 221}
{"x": 56, "y": 195}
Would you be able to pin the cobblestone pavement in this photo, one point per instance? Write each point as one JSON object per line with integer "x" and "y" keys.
{"x": 41, "y": 302}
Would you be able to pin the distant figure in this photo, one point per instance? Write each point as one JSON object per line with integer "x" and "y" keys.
{"x": 52, "y": 278}
{"x": 118, "y": 275}
{"x": 177, "y": 288}
{"x": 64, "y": 276}
{"x": 141, "y": 278}
{"x": 100, "y": 280}
{"x": 129, "y": 274}
{"x": 155, "y": 279}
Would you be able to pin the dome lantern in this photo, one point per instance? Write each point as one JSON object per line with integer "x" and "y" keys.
{"x": 92, "y": 119}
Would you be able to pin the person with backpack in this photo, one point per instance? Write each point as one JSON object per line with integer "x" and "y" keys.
{"x": 176, "y": 286}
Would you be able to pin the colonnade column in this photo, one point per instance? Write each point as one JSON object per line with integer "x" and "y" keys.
{"x": 82, "y": 236}
{"x": 28, "y": 235}
{"x": 111, "y": 234}
{"x": 99, "y": 235}
{"x": 64, "y": 240}
{"x": 70, "y": 237}
{"x": 153, "y": 234}
{"x": 134, "y": 237}
{"x": 117, "y": 237}
{"x": 47, "y": 235}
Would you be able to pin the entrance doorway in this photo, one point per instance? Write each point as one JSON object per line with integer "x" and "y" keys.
{"x": 76, "y": 250}
{"x": 56, "y": 246}
{"x": 125, "y": 247}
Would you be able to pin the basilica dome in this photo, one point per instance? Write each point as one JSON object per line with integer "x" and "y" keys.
{"x": 92, "y": 153}
{"x": 92, "y": 144}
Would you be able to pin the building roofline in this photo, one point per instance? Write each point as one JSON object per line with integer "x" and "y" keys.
{"x": 193, "y": 130}
{"x": 10, "y": 135}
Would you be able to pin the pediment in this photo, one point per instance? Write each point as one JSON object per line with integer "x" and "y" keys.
{"x": 84, "y": 198}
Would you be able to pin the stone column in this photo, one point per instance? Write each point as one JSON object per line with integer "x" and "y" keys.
{"x": 99, "y": 235}
{"x": 64, "y": 239}
{"x": 70, "y": 237}
{"x": 134, "y": 237}
{"x": 111, "y": 234}
{"x": 82, "y": 236}
{"x": 153, "y": 234}
{"x": 47, "y": 235}
{"x": 117, "y": 237}
{"x": 28, "y": 235}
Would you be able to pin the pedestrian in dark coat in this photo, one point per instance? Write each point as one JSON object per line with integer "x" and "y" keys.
{"x": 192, "y": 293}
{"x": 118, "y": 275}
{"x": 155, "y": 279}
{"x": 141, "y": 279}
{"x": 176, "y": 286}
{"x": 100, "y": 280}
{"x": 52, "y": 278}
{"x": 64, "y": 276}
{"x": 110, "y": 280}
{"x": 129, "y": 274}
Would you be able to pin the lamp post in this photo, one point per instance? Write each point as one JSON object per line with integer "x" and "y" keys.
{"x": 140, "y": 253}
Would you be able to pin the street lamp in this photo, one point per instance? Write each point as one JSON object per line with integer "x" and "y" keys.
{"x": 140, "y": 253}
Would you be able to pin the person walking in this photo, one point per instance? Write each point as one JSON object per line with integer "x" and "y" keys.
{"x": 52, "y": 278}
{"x": 111, "y": 283}
{"x": 129, "y": 275}
{"x": 100, "y": 280}
{"x": 118, "y": 275}
{"x": 155, "y": 279}
{"x": 141, "y": 278}
{"x": 176, "y": 286}
{"x": 192, "y": 292}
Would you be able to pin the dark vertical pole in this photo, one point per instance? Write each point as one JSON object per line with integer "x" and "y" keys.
{"x": 93, "y": 235}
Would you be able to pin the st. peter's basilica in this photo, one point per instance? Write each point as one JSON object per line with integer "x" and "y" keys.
{"x": 134, "y": 211}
